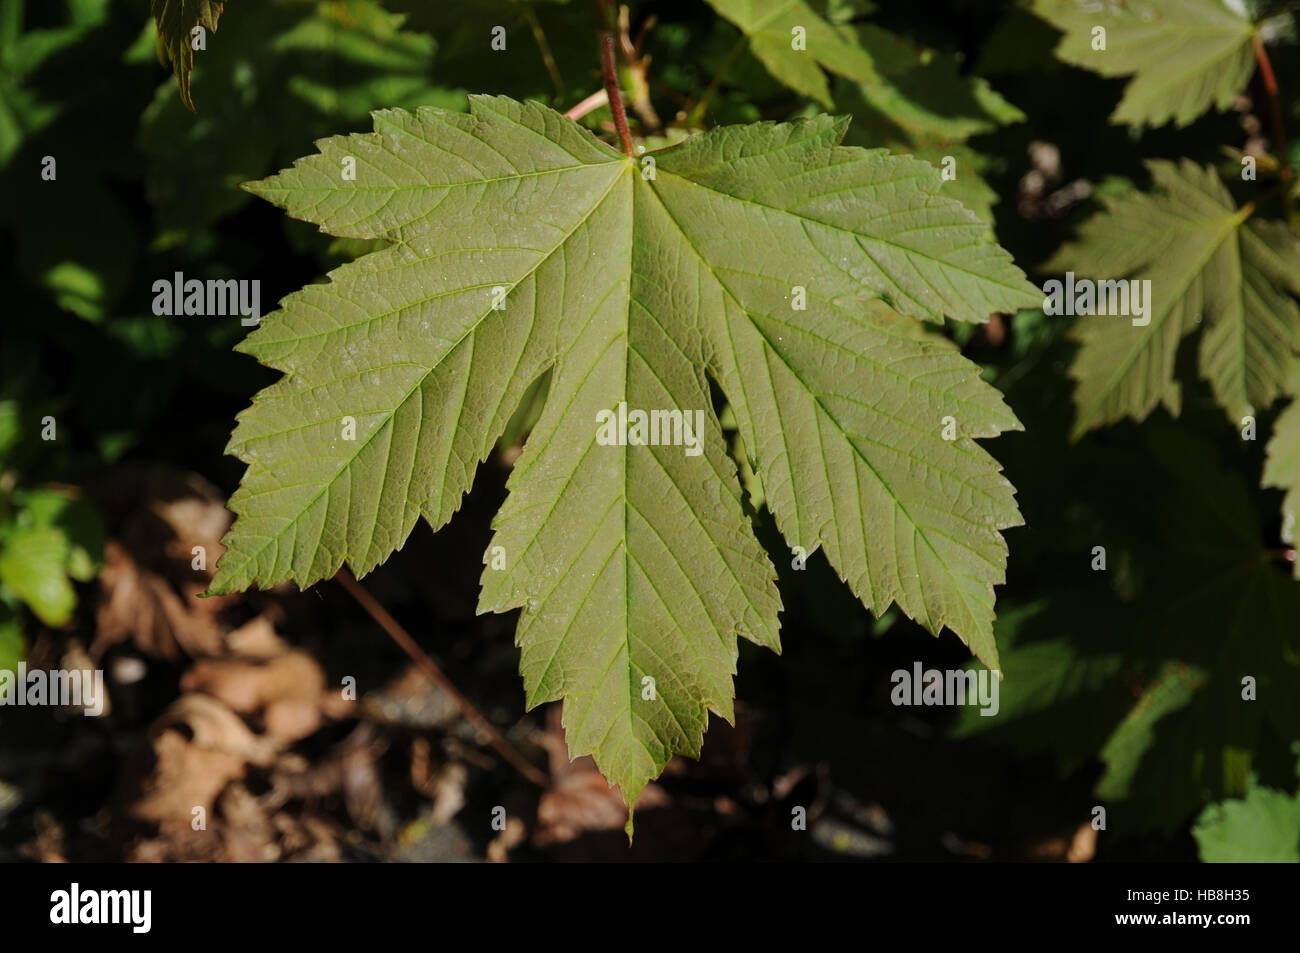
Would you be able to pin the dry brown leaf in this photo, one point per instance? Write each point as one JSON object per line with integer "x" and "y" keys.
{"x": 579, "y": 798}
{"x": 75, "y": 659}
{"x": 170, "y": 522}
{"x": 144, "y": 608}
{"x": 1083, "y": 847}
{"x": 498, "y": 849}
{"x": 256, "y": 638}
{"x": 449, "y": 792}
{"x": 247, "y": 832}
{"x": 286, "y": 690}
{"x": 48, "y": 845}
{"x": 410, "y": 700}
{"x": 199, "y": 746}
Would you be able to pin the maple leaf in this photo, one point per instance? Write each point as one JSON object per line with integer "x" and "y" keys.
{"x": 1203, "y": 259}
{"x": 924, "y": 93}
{"x": 52, "y": 541}
{"x": 11, "y": 640}
{"x": 1184, "y": 56}
{"x": 1282, "y": 464}
{"x": 24, "y": 49}
{"x": 522, "y": 245}
{"x": 279, "y": 78}
{"x": 175, "y": 19}
{"x": 924, "y": 107}
{"x": 796, "y": 43}
{"x": 1149, "y": 665}
{"x": 1263, "y": 828}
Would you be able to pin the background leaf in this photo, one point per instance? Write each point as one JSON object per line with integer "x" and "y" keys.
{"x": 1204, "y": 260}
{"x": 1262, "y": 827}
{"x": 1184, "y": 56}
{"x": 175, "y": 19}
{"x": 770, "y": 25}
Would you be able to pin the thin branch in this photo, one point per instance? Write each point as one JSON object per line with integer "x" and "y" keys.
{"x": 590, "y": 104}
{"x": 647, "y": 25}
{"x": 638, "y": 68}
{"x": 695, "y": 114}
{"x": 431, "y": 671}
{"x": 548, "y": 58}
{"x": 1279, "y": 129}
{"x": 611, "y": 89}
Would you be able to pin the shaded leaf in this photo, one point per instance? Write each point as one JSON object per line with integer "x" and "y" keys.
{"x": 1204, "y": 260}
{"x": 283, "y": 76}
{"x": 1184, "y": 56}
{"x": 772, "y": 28}
{"x": 924, "y": 93}
{"x": 1282, "y": 464}
{"x": 23, "y": 51}
{"x": 11, "y": 640}
{"x": 1149, "y": 673}
{"x": 175, "y": 19}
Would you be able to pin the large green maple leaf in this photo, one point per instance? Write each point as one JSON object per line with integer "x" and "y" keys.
{"x": 522, "y": 243}
{"x": 1204, "y": 260}
{"x": 1184, "y": 56}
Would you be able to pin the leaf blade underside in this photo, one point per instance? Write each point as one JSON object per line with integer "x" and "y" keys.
{"x": 636, "y": 560}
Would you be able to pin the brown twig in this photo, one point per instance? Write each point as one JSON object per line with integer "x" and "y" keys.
{"x": 647, "y": 25}
{"x": 1275, "y": 105}
{"x": 431, "y": 671}
{"x": 1279, "y": 129}
{"x": 638, "y": 68}
{"x": 611, "y": 89}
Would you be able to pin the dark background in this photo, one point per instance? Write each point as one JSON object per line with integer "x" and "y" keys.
{"x": 145, "y": 405}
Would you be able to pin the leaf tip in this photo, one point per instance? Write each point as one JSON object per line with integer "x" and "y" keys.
{"x": 256, "y": 187}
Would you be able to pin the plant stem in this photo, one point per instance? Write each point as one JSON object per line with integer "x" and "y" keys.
{"x": 548, "y": 58}
{"x": 435, "y": 675}
{"x": 638, "y": 69}
{"x": 696, "y": 113}
{"x": 611, "y": 89}
{"x": 593, "y": 102}
{"x": 1279, "y": 129}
